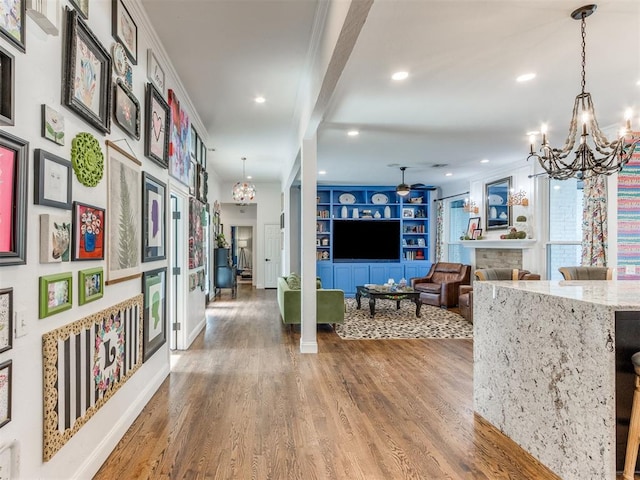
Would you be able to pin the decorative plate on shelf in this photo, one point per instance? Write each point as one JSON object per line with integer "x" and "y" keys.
{"x": 495, "y": 199}
{"x": 347, "y": 198}
{"x": 379, "y": 198}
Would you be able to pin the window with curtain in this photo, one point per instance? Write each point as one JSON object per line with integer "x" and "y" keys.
{"x": 565, "y": 225}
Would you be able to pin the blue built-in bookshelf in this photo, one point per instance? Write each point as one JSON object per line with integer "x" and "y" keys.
{"x": 370, "y": 234}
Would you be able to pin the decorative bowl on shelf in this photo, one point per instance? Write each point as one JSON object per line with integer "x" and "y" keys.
{"x": 379, "y": 199}
{"x": 415, "y": 200}
{"x": 347, "y": 199}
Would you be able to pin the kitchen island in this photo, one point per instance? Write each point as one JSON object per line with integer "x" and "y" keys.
{"x": 552, "y": 369}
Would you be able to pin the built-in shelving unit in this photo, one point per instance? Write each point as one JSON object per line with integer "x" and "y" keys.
{"x": 407, "y": 217}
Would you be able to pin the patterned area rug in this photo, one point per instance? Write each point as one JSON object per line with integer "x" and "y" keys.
{"x": 389, "y": 323}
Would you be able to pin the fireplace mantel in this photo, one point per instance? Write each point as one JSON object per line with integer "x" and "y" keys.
{"x": 500, "y": 244}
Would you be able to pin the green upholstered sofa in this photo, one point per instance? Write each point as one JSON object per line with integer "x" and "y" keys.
{"x": 329, "y": 308}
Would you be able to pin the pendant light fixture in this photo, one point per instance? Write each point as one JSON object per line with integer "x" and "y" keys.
{"x": 615, "y": 154}
{"x": 403, "y": 189}
{"x": 243, "y": 191}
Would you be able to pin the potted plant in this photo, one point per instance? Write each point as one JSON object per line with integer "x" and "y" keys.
{"x": 221, "y": 242}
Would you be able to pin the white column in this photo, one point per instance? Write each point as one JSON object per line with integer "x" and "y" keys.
{"x": 308, "y": 338}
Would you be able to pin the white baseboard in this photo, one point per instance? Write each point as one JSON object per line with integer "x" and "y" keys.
{"x": 94, "y": 461}
{"x": 308, "y": 347}
{"x": 195, "y": 332}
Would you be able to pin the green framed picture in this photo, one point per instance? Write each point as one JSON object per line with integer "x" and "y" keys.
{"x": 90, "y": 285}
{"x": 56, "y": 293}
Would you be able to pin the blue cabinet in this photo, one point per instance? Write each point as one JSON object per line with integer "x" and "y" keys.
{"x": 325, "y": 271}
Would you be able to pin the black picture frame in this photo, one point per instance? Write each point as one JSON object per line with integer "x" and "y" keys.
{"x": 50, "y": 168}
{"x": 153, "y": 245}
{"x": 5, "y": 417}
{"x": 157, "y": 119}
{"x": 498, "y": 215}
{"x": 126, "y": 109}
{"x": 7, "y": 88}
{"x": 17, "y": 38}
{"x": 16, "y": 251}
{"x": 124, "y": 29}
{"x": 82, "y": 6}
{"x": 77, "y": 86}
{"x": 6, "y": 317}
{"x": 154, "y": 334}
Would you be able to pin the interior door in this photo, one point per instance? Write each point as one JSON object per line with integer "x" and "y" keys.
{"x": 271, "y": 255}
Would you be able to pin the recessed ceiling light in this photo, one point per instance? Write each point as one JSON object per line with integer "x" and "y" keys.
{"x": 402, "y": 75}
{"x": 353, "y": 133}
{"x": 484, "y": 160}
{"x": 533, "y": 132}
{"x": 526, "y": 77}
{"x": 448, "y": 174}
{"x": 249, "y": 177}
{"x": 322, "y": 172}
{"x": 260, "y": 99}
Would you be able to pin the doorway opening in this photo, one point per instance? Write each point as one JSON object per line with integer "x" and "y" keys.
{"x": 242, "y": 246}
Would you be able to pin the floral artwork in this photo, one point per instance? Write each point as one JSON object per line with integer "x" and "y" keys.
{"x": 12, "y": 21}
{"x": 88, "y": 232}
{"x": 108, "y": 356}
{"x": 87, "y": 76}
{"x": 127, "y": 110}
{"x": 196, "y": 236}
{"x": 109, "y": 346}
{"x": 179, "y": 161}
{"x": 52, "y": 125}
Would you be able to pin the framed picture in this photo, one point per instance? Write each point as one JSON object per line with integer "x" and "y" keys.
{"x": 13, "y": 22}
{"x": 13, "y": 199}
{"x": 119, "y": 59}
{"x": 203, "y": 187}
{"x": 90, "y": 285}
{"x": 407, "y": 213}
{"x": 153, "y": 218}
{"x": 87, "y": 74}
{"x": 154, "y": 330}
{"x": 123, "y": 195}
{"x": 6, "y": 380}
{"x": 52, "y": 125}
{"x": 82, "y": 6}
{"x": 45, "y": 14}
{"x": 194, "y": 144}
{"x": 474, "y": 223}
{"x": 6, "y": 319}
{"x": 124, "y": 30}
{"x": 156, "y": 138}
{"x": 89, "y": 223}
{"x": 497, "y": 212}
{"x": 7, "y": 87}
{"x": 52, "y": 180}
{"x": 193, "y": 174}
{"x": 476, "y": 234}
{"x": 155, "y": 73}
{"x": 126, "y": 109}
{"x": 56, "y": 294}
{"x": 203, "y": 155}
{"x": 55, "y": 238}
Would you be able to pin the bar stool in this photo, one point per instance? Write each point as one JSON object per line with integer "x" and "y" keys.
{"x": 633, "y": 439}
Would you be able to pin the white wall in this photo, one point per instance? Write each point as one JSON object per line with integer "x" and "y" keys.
{"x": 39, "y": 81}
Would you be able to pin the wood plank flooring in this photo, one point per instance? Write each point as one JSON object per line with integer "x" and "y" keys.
{"x": 243, "y": 403}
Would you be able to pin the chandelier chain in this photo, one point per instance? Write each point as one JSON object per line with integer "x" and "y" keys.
{"x": 584, "y": 46}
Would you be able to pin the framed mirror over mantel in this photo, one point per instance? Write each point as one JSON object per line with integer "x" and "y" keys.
{"x": 497, "y": 212}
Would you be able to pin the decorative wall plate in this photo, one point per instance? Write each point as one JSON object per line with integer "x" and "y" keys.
{"x": 347, "y": 198}
{"x": 379, "y": 199}
{"x": 119, "y": 58}
{"x": 495, "y": 199}
{"x": 87, "y": 159}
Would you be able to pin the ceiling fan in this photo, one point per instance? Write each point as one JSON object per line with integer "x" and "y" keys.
{"x": 404, "y": 189}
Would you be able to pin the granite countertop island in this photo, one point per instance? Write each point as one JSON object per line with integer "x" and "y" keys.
{"x": 545, "y": 368}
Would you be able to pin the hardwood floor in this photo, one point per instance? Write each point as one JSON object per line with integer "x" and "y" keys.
{"x": 243, "y": 403}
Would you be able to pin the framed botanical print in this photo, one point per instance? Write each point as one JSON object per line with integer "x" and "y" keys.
{"x": 6, "y": 380}
{"x": 156, "y": 138}
{"x": 153, "y": 218}
{"x": 13, "y": 22}
{"x": 90, "y": 285}
{"x": 13, "y": 199}
{"x": 55, "y": 238}
{"x": 125, "y": 30}
{"x": 52, "y": 180}
{"x": 7, "y": 87}
{"x": 155, "y": 73}
{"x": 56, "y": 294}
{"x": 126, "y": 110}
{"x": 6, "y": 319}
{"x": 89, "y": 223}
{"x": 52, "y": 125}
{"x": 154, "y": 330}
{"x": 123, "y": 196}
{"x": 82, "y": 6}
{"x": 87, "y": 74}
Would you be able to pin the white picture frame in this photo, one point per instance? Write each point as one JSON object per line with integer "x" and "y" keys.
{"x": 155, "y": 73}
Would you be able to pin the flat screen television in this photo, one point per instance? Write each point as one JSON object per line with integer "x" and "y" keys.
{"x": 362, "y": 240}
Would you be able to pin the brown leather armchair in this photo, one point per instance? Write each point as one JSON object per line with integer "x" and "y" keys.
{"x": 465, "y": 294}
{"x": 440, "y": 286}
{"x": 586, "y": 273}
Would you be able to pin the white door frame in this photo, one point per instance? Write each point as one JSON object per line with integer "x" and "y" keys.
{"x": 178, "y": 284}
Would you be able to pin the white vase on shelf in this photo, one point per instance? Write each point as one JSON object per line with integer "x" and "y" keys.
{"x": 344, "y": 213}
{"x": 387, "y": 212}
{"x": 355, "y": 213}
{"x": 493, "y": 212}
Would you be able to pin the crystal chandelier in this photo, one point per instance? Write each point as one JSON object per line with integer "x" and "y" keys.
{"x": 243, "y": 191}
{"x": 615, "y": 154}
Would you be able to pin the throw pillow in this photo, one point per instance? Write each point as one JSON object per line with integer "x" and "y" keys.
{"x": 293, "y": 280}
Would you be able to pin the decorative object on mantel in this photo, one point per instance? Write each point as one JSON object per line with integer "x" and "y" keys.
{"x": 521, "y": 225}
{"x": 514, "y": 234}
{"x": 519, "y": 198}
{"x": 470, "y": 206}
{"x": 87, "y": 159}
{"x": 243, "y": 191}
{"x": 616, "y": 153}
